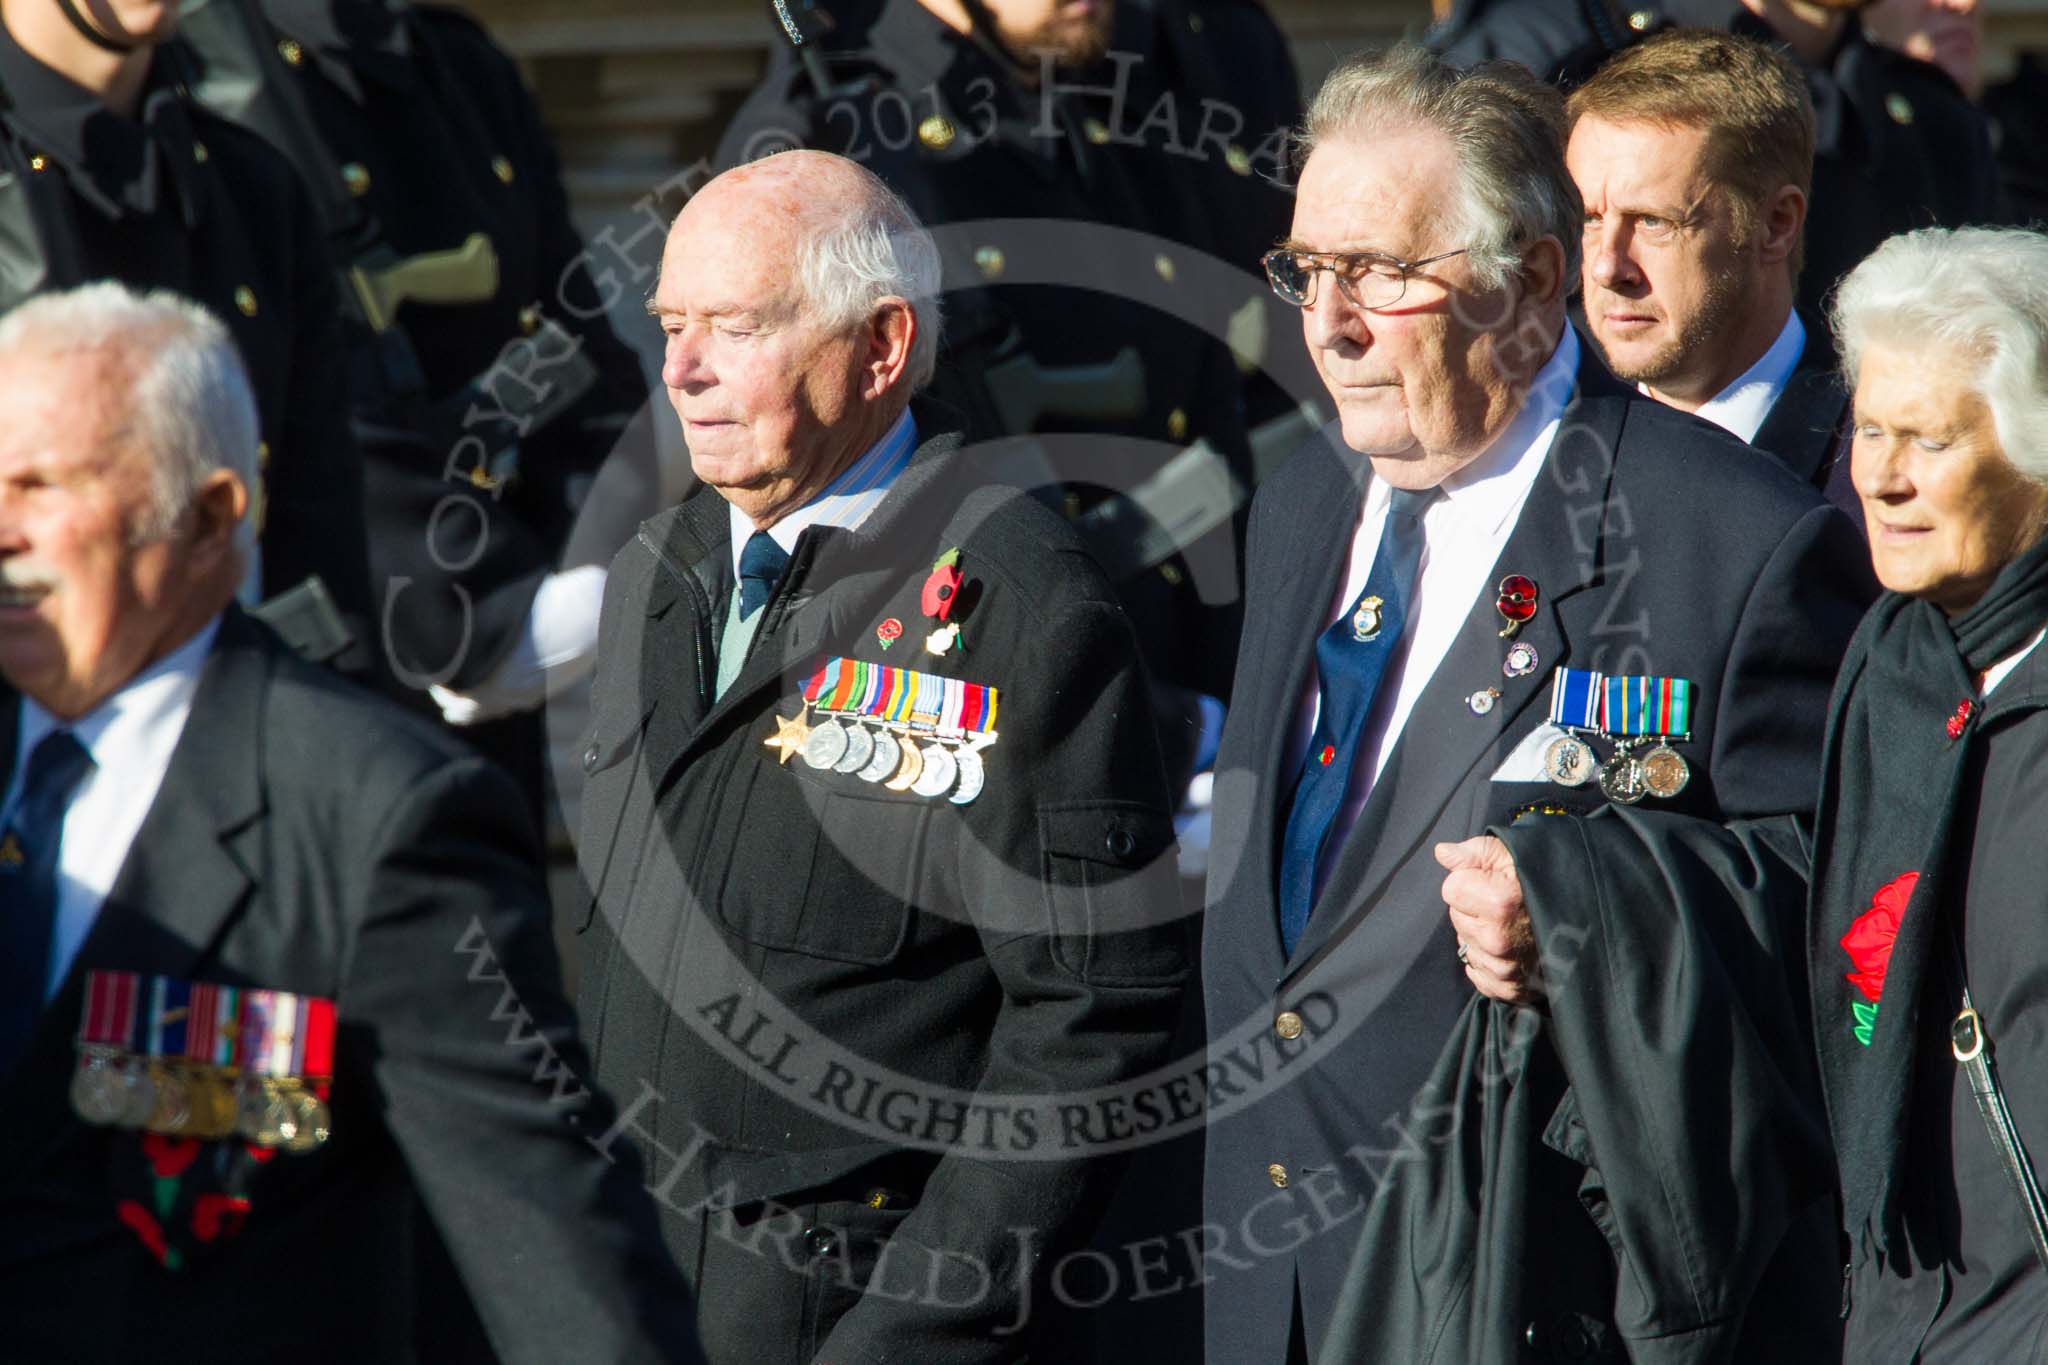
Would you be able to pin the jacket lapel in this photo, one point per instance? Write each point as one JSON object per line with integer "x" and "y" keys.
{"x": 1804, "y": 425}
{"x": 1559, "y": 542}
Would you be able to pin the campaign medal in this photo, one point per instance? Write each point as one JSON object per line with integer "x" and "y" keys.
{"x": 1521, "y": 660}
{"x": 313, "y": 1066}
{"x": 164, "y": 1037}
{"x": 1515, "y": 600}
{"x": 210, "y": 1039}
{"x": 826, "y": 745}
{"x": 860, "y": 747}
{"x": 1569, "y": 762}
{"x": 100, "y": 1084}
{"x": 790, "y": 737}
{"x": 912, "y": 767}
{"x": 1665, "y": 772}
{"x": 973, "y": 777}
{"x": 1649, "y": 710}
{"x": 940, "y": 769}
{"x": 885, "y": 760}
{"x": 927, "y": 730}
{"x": 1366, "y": 621}
{"x": 1621, "y": 778}
{"x": 263, "y": 1113}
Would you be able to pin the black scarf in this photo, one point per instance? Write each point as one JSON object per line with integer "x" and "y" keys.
{"x": 1899, "y": 743}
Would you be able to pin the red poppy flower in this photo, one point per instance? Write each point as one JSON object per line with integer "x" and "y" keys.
{"x": 1517, "y": 599}
{"x": 218, "y": 1215}
{"x": 889, "y": 632}
{"x": 145, "y": 1227}
{"x": 941, "y": 590}
{"x": 169, "y": 1156}
{"x": 1870, "y": 938}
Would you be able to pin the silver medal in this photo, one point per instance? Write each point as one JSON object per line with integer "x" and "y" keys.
{"x": 886, "y": 757}
{"x": 973, "y": 776}
{"x": 860, "y": 747}
{"x": 98, "y": 1088}
{"x": 826, "y": 746}
{"x": 940, "y": 768}
{"x": 1621, "y": 778}
{"x": 1569, "y": 761}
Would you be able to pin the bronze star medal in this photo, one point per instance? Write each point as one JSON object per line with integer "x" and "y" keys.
{"x": 790, "y": 736}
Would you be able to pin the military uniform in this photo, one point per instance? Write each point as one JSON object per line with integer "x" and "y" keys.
{"x": 1058, "y": 210}
{"x": 177, "y": 199}
{"x": 790, "y": 967}
{"x": 488, "y": 385}
{"x": 1897, "y": 145}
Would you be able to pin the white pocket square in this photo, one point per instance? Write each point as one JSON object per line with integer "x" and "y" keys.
{"x": 1525, "y": 764}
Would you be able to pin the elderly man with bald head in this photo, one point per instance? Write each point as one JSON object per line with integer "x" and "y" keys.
{"x": 877, "y": 835}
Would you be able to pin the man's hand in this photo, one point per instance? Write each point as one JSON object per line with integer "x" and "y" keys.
{"x": 1484, "y": 894}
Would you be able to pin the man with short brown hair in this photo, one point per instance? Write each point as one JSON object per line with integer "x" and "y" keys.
{"x": 1693, "y": 152}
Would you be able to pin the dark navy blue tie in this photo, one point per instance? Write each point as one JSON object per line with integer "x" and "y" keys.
{"x": 28, "y": 885}
{"x": 1351, "y": 658}
{"x": 762, "y": 563}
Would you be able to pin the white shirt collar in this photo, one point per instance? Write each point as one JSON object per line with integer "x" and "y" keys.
{"x": 141, "y": 721}
{"x": 2003, "y": 669}
{"x": 846, "y": 502}
{"x": 1741, "y": 407}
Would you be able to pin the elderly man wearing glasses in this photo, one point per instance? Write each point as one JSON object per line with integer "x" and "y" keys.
{"x": 1501, "y": 583}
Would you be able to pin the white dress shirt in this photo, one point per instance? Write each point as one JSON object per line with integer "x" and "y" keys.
{"x": 1464, "y": 532}
{"x": 2002, "y": 670}
{"x": 1742, "y": 406}
{"x": 130, "y": 736}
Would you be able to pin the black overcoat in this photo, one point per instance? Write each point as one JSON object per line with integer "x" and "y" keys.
{"x": 796, "y": 977}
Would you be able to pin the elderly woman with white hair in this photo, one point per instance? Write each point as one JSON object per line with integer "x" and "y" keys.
{"x": 1930, "y": 872}
{"x": 1903, "y": 923}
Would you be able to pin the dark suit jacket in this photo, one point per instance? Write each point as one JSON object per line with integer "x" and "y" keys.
{"x": 795, "y": 978}
{"x": 309, "y": 838}
{"x": 1659, "y": 545}
{"x": 1806, "y": 426}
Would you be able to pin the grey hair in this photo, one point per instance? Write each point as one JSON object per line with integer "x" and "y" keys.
{"x": 873, "y": 248}
{"x": 1981, "y": 292}
{"x": 188, "y": 405}
{"x": 1506, "y": 127}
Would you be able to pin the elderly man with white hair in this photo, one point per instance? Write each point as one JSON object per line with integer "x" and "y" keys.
{"x": 261, "y": 933}
{"x": 1502, "y": 585}
{"x": 877, "y": 829}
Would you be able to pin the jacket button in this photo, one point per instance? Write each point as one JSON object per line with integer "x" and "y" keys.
{"x": 820, "y": 1241}
{"x": 1533, "y": 1336}
{"x": 1277, "y": 1174}
{"x": 1288, "y": 1025}
{"x": 1575, "y": 1342}
{"x": 590, "y": 759}
{"x": 1120, "y": 843}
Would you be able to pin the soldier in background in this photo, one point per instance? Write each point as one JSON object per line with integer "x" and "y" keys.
{"x": 1093, "y": 272}
{"x": 486, "y": 386}
{"x": 107, "y": 169}
{"x": 1899, "y": 146}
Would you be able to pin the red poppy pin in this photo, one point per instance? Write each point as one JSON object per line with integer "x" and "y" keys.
{"x": 1869, "y": 946}
{"x": 941, "y": 594}
{"x": 1960, "y": 721}
{"x": 889, "y": 632}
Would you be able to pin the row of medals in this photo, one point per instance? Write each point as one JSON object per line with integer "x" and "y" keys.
{"x": 183, "y": 1100}
{"x": 894, "y": 757}
{"x": 1627, "y": 776}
